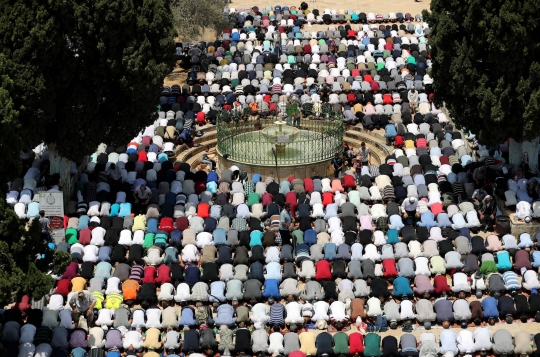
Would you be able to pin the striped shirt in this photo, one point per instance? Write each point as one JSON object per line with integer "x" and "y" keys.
{"x": 136, "y": 273}
{"x": 511, "y": 281}
{"x": 276, "y": 314}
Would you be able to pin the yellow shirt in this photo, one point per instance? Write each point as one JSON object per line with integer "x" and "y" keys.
{"x": 409, "y": 144}
{"x": 78, "y": 284}
{"x": 307, "y": 343}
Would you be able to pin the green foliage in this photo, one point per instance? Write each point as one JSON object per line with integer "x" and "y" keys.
{"x": 191, "y": 18}
{"x": 486, "y": 65}
{"x": 80, "y": 67}
{"x": 20, "y": 270}
{"x": 10, "y": 141}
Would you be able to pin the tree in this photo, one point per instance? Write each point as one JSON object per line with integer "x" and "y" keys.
{"x": 25, "y": 258}
{"x": 11, "y": 143}
{"x": 486, "y": 65}
{"x": 85, "y": 72}
{"x": 191, "y": 18}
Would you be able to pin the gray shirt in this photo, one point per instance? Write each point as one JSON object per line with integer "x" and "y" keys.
{"x": 355, "y": 270}
{"x": 391, "y": 310}
{"x": 291, "y": 343}
{"x": 121, "y": 318}
{"x": 502, "y": 342}
{"x": 406, "y": 267}
{"x": 462, "y": 310}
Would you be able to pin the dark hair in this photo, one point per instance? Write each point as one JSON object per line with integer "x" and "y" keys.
{"x": 42, "y": 213}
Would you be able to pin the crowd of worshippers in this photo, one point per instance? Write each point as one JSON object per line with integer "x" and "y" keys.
{"x": 166, "y": 258}
{"x": 374, "y": 74}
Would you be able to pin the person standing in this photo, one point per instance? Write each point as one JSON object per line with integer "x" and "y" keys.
{"x": 45, "y": 225}
{"x": 364, "y": 154}
{"x": 337, "y": 165}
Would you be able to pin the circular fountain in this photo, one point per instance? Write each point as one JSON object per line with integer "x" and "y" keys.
{"x": 272, "y": 145}
{"x": 280, "y": 134}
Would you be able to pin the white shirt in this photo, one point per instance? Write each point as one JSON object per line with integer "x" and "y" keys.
{"x": 132, "y": 338}
{"x": 166, "y": 291}
{"x": 406, "y": 310}
{"x": 321, "y": 311}
{"x": 356, "y": 251}
{"x": 465, "y": 341}
{"x": 203, "y": 239}
{"x": 338, "y": 311}
{"x": 153, "y": 318}
{"x": 334, "y": 224}
{"x": 90, "y": 253}
{"x": 422, "y": 266}
{"x": 182, "y": 293}
{"x": 56, "y": 302}
{"x": 98, "y": 235}
{"x": 105, "y": 317}
{"x": 125, "y": 237}
{"x": 138, "y": 237}
{"x": 345, "y": 284}
{"x": 447, "y": 340}
{"x": 337, "y": 237}
{"x": 482, "y": 339}
{"x": 272, "y": 255}
{"x": 190, "y": 253}
{"x": 113, "y": 284}
{"x": 374, "y": 306}
{"x": 378, "y": 210}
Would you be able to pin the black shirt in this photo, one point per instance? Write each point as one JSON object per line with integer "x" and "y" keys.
{"x": 408, "y": 234}
{"x": 389, "y": 346}
{"x": 256, "y": 271}
{"x": 148, "y": 293}
{"x": 191, "y": 341}
{"x": 119, "y": 253}
{"x": 240, "y": 256}
{"x": 365, "y": 237}
{"x": 210, "y": 272}
{"x": 224, "y": 255}
{"x": 338, "y": 269}
{"x": 330, "y": 291}
{"x": 324, "y": 343}
{"x": 506, "y": 306}
{"x": 135, "y": 254}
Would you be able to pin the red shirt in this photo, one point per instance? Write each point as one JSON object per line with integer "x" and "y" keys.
{"x": 351, "y": 33}
{"x": 389, "y": 266}
{"x": 146, "y": 140}
{"x": 200, "y": 187}
{"x": 203, "y": 210}
{"x": 164, "y": 274}
{"x": 387, "y": 99}
{"x": 297, "y": 354}
{"x": 356, "y": 343}
{"x": 142, "y": 156}
{"x": 375, "y": 86}
{"x": 291, "y": 199}
{"x": 182, "y": 223}
{"x": 267, "y": 198}
{"x": 166, "y": 224}
{"x": 200, "y": 117}
{"x": 149, "y": 275}
{"x": 336, "y": 185}
{"x": 63, "y": 287}
{"x": 444, "y": 160}
{"x": 327, "y": 198}
{"x": 436, "y": 208}
{"x": 348, "y": 181}
{"x": 323, "y": 271}
{"x": 85, "y": 236}
{"x": 355, "y": 72}
{"x": 421, "y": 143}
{"x": 368, "y": 78}
{"x": 351, "y": 98}
{"x": 440, "y": 284}
{"x": 308, "y": 185}
{"x": 71, "y": 271}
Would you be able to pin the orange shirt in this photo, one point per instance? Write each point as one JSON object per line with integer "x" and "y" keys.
{"x": 130, "y": 289}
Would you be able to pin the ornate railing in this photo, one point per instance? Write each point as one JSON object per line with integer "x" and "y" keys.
{"x": 242, "y": 139}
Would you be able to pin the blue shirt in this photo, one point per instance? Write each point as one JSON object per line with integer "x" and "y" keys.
{"x": 271, "y": 288}
{"x": 489, "y": 305}
{"x": 255, "y": 238}
{"x": 402, "y": 286}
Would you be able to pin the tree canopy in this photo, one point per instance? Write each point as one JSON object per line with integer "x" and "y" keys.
{"x": 85, "y": 72}
{"x": 11, "y": 143}
{"x": 191, "y": 18}
{"x": 486, "y": 65}
{"x": 25, "y": 258}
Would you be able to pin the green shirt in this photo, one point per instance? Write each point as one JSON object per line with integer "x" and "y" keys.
{"x": 372, "y": 343}
{"x": 253, "y": 198}
{"x": 148, "y": 240}
{"x": 71, "y": 236}
{"x": 341, "y": 343}
{"x": 299, "y": 236}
